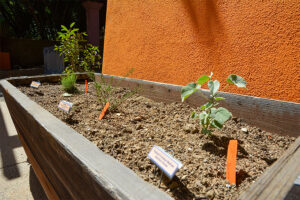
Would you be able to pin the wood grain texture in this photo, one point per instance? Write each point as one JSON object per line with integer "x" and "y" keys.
{"x": 52, "y": 78}
{"x": 275, "y": 116}
{"x": 276, "y": 182}
{"x": 47, "y": 186}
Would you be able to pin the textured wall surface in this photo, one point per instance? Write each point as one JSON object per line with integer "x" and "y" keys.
{"x": 176, "y": 41}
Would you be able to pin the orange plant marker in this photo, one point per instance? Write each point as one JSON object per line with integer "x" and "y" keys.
{"x": 104, "y": 111}
{"x": 85, "y": 86}
{"x": 231, "y": 162}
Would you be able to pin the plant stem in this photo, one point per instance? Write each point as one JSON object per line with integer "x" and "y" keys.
{"x": 226, "y": 86}
{"x": 202, "y": 95}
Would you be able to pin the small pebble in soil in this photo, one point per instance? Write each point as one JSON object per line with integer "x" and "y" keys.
{"x": 245, "y": 130}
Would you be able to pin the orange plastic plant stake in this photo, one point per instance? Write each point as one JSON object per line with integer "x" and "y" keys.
{"x": 231, "y": 162}
{"x": 104, "y": 111}
{"x": 85, "y": 86}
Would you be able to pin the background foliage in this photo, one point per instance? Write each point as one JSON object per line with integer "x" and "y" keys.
{"x": 41, "y": 19}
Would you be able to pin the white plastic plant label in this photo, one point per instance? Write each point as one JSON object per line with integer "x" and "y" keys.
{"x": 164, "y": 161}
{"x": 35, "y": 84}
{"x": 65, "y": 106}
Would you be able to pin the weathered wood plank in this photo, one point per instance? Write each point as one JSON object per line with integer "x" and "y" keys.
{"x": 275, "y": 116}
{"x": 52, "y": 78}
{"x": 276, "y": 182}
{"x": 47, "y": 186}
{"x": 26, "y": 127}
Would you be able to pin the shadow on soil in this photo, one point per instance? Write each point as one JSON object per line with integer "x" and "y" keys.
{"x": 219, "y": 146}
{"x": 241, "y": 176}
{"x": 179, "y": 190}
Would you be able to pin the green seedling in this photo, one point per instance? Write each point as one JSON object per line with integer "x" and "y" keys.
{"x": 68, "y": 83}
{"x": 106, "y": 92}
{"x": 211, "y": 116}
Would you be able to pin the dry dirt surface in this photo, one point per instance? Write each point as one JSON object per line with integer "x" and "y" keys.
{"x": 129, "y": 133}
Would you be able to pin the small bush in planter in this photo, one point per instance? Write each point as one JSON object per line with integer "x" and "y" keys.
{"x": 84, "y": 57}
{"x": 211, "y": 116}
{"x": 68, "y": 83}
{"x": 105, "y": 91}
{"x": 79, "y": 55}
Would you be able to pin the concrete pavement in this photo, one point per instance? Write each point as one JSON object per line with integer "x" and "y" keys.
{"x": 17, "y": 178}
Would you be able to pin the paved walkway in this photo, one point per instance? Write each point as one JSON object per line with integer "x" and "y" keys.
{"x": 17, "y": 179}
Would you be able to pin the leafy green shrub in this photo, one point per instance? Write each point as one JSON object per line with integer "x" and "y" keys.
{"x": 79, "y": 55}
{"x": 211, "y": 116}
{"x": 68, "y": 83}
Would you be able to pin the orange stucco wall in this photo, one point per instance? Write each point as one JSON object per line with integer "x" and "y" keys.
{"x": 176, "y": 41}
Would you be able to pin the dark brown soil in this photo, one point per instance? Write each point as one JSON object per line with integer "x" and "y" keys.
{"x": 129, "y": 133}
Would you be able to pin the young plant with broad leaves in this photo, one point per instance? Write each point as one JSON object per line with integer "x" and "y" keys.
{"x": 211, "y": 116}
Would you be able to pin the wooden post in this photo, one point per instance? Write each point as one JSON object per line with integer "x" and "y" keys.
{"x": 92, "y": 20}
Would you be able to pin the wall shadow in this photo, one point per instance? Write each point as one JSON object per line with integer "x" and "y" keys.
{"x": 7, "y": 144}
{"x": 205, "y": 19}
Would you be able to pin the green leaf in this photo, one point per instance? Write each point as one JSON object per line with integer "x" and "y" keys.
{"x": 203, "y": 79}
{"x": 187, "y": 90}
{"x": 206, "y": 106}
{"x": 236, "y": 80}
{"x": 213, "y": 86}
{"x": 47, "y": 10}
{"x": 202, "y": 117}
{"x": 206, "y": 131}
{"x": 216, "y": 124}
{"x": 219, "y": 98}
{"x": 205, "y": 121}
{"x": 194, "y": 115}
{"x": 221, "y": 115}
{"x": 64, "y": 28}
{"x": 72, "y": 24}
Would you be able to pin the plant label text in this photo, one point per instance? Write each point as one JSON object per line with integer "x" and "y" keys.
{"x": 164, "y": 161}
{"x": 65, "y": 106}
{"x": 35, "y": 84}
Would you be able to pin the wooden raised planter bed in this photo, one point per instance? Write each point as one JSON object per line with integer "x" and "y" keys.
{"x": 70, "y": 167}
